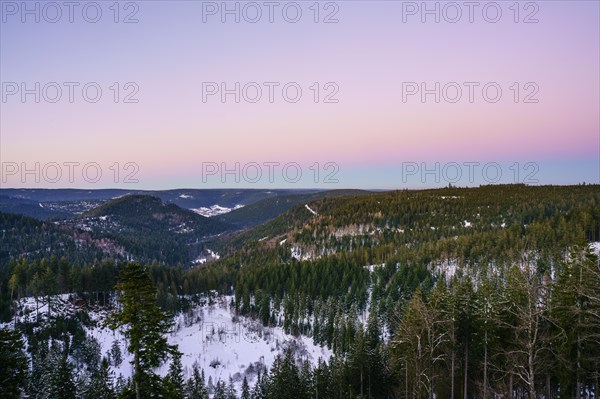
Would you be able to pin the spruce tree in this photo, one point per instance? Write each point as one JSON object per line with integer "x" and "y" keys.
{"x": 13, "y": 364}
{"x": 101, "y": 384}
{"x": 173, "y": 381}
{"x": 245, "y": 389}
{"x": 61, "y": 381}
{"x": 196, "y": 387}
{"x": 145, "y": 326}
{"x": 230, "y": 392}
{"x": 220, "y": 391}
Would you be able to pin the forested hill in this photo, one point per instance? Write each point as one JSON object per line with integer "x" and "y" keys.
{"x": 131, "y": 227}
{"x": 148, "y": 229}
{"x": 26, "y": 237}
{"x": 143, "y": 213}
{"x": 269, "y": 208}
{"x": 456, "y": 292}
{"x": 470, "y": 224}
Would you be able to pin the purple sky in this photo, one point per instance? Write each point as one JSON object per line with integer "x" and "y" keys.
{"x": 370, "y": 126}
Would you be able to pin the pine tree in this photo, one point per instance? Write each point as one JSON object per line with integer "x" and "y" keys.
{"x": 230, "y": 392}
{"x": 284, "y": 382}
{"x": 61, "y": 381}
{"x": 324, "y": 386}
{"x": 220, "y": 391}
{"x": 195, "y": 387}
{"x": 145, "y": 326}
{"x": 13, "y": 364}
{"x": 115, "y": 354}
{"x": 101, "y": 385}
{"x": 487, "y": 304}
{"x": 526, "y": 299}
{"x": 245, "y": 389}
{"x": 576, "y": 313}
{"x": 173, "y": 381}
{"x": 260, "y": 387}
{"x": 359, "y": 362}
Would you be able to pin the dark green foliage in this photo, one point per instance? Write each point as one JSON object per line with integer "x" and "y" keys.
{"x": 173, "y": 382}
{"x": 22, "y": 236}
{"x": 150, "y": 229}
{"x": 220, "y": 390}
{"x": 13, "y": 364}
{"x": 145, "y": 327}
{"x": 61, "y": 383}
{"x": 195, "y": 387}
{"x": 245, "y": 389}
{"x": 116, "y": 356}
{"x": 101, "y": 384}
{"x": 284, "y": 379}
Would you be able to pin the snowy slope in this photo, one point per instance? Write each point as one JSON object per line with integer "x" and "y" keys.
{"x": 215, "y": 210}
{"x": 210, "y": 336}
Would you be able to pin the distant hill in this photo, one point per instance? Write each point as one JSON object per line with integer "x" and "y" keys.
{"x": 149, "y": 229}
{"x": 269, "y": 208}
{"x": 477, "y": 225}
{"x": 46, "y": 204}
{"x": 26, "y": 237}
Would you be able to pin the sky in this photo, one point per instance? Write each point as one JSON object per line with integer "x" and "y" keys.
{"x": 345, "y": 94}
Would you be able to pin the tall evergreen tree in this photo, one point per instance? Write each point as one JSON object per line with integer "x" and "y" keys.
{"x": 245, "y": 389}
{"x": 61, "y": 382}
{"x": 173, "y": 381}
{"x": 101, "y": 384}
{"x": 195, "y": 387}
{"x": 13, "y": 364}
{"x": 145, "y": 326}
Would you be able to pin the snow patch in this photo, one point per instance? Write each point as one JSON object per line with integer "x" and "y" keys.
{"x": 215, "y": 210}
{"x": 595, "y": 247}
{"x": 310, "y": 210}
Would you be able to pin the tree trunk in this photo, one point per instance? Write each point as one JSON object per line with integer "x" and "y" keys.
{"x": 361, "y": 382}
{"x": 485, "y": 382}
{"x": 452, "y": 363}
{"x": 466, "y": 371}
{"x": 510, "y": 386}
{"x": 578, "y": 383}
{"x": 136, "y": 376}
{"x": 531, "y": 379}
{"x": 406, "y": 380}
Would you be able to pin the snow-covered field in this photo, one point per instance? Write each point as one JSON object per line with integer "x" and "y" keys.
{"x": 211, "y": 337}
{"x": 215, "y": 210}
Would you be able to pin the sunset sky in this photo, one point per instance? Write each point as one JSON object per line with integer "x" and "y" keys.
{"x": 368, "y": 57}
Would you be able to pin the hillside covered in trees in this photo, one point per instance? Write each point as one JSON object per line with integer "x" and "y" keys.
{"x": 459, "y": 292}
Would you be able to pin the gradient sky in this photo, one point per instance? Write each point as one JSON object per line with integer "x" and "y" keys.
{"x": 373, "y": 136}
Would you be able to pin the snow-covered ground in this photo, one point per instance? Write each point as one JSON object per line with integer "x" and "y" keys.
{"x": 215, "y": 210}
{"x": 223, "y": 344}
{"x": 311, "y": 210}
{"x": 207, "y": 255}
{"x": 210, "y": 336}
